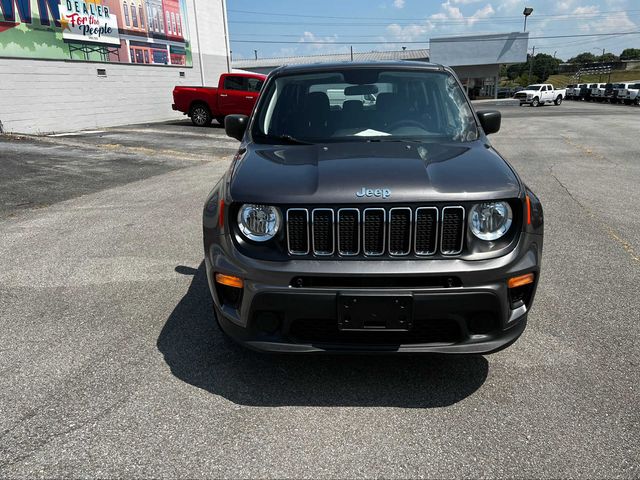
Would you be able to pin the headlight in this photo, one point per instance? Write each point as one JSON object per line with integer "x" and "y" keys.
{"x": 259, "y": 222}
{"x": 491, "y": 220}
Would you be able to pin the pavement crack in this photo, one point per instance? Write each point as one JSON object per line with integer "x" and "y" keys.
{"x": 611, "y": 232}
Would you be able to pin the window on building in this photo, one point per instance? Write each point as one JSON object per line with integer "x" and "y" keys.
{"x": 179, "y": 22}
{"x": 134, "y": 15}
{"x": 141, "y": 16}
{"x": 146, "y": 56}
{"x": 161, "y": 22}
{"x": 156, "y": 26}
{"x": 125, "y": 9}
{"x": 132, "y": 56}
{"x": 173, "y": 23}
{"x": 167, "y": 18}
{"x": 139, "y": 56}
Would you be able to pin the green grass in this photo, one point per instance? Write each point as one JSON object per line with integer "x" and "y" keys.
{"x": 562, "y": 81}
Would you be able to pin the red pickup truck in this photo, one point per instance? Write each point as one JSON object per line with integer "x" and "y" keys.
{"x": 236, "y": 93}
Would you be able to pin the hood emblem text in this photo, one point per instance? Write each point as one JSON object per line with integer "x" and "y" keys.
{"x": 374, "y": 192}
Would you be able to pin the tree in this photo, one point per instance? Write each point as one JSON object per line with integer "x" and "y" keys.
{"x": 584, "y": 57}
{"x": 544, "y": 65}
{"x": 607, "y": 57}
{"x": 630, "y": 54}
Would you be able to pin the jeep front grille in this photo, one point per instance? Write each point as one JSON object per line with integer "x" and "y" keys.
{"x": 374, "y": 232}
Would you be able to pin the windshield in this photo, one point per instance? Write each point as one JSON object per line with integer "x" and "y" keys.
{"x": 364, "y": 104}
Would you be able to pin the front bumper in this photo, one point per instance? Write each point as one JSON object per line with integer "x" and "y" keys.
{"x": 474, "y": 314}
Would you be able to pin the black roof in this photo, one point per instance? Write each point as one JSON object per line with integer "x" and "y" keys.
{"x": 333, "y": 66}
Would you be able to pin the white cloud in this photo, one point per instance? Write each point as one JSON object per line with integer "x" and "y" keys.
{"x": 398, "y": 3}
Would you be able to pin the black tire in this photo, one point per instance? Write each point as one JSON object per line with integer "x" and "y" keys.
{"x": 200, "y": 115}
{"x": 535, "y": 102}
{"x": 558, "y": 100}
{"x": 220, "y": 120}
{"x": 637, "y": 100}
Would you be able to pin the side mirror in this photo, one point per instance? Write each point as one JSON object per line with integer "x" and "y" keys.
{"x": 490, "y": 121}
{"x": 235, "y": 125}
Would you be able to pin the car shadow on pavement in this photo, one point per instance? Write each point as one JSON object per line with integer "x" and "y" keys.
{"x": 199, "y": 354}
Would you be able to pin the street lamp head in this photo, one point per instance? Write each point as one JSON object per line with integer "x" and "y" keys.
{"x": 527, "y": 11}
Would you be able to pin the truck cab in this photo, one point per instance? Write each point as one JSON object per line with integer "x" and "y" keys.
{"x": 236, "y": 94}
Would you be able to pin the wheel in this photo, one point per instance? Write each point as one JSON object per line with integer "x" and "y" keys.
{"x": 220, "y": 120}
{"x": 558, "y": 100}
{"x": 627, "y": 102}
{"x": 200, "y": 115}
{"x": 535, "y": 102}
{"x": 637, "y": 100}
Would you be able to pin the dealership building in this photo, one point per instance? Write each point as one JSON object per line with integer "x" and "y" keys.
{"x": 80, "y": 64}
{"x": 476, "y": 59}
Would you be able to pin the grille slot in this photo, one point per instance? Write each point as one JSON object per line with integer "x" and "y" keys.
{"x": 373, "y": 231}
{"x": 322, "y": 231}
{"x": 399, "y": 231}
{"x": 452, "y": 226}
{"x": 426, "y": 228}
{"x": 348, "y": 231}
{"x": 298, "y": 231}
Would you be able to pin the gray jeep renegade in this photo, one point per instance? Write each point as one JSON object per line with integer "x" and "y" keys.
{"x": 366, "y": 211}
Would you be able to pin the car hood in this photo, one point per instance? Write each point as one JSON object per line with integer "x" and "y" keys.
{"x": 529, "y": 92}
{"x": 371, "y": 172}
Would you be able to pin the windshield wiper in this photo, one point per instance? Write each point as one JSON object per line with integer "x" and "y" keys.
{"x": 290, "y": 140}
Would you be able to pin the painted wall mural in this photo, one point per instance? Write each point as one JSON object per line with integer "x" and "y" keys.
{"x": 151, "y": 32}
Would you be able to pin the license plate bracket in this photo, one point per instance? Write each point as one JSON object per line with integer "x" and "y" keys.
{"x": 375, "y": 312}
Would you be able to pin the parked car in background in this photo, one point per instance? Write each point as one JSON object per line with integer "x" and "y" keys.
{"x": 569, "y": 91}
{"x": 619, "y": 91}
{"x": 540, "y": 94}
{"x": 597, "y": 92}
{"x": 608, "y": 92}
{"x": 631, "y": 94}
{"x": 236, "y": 93}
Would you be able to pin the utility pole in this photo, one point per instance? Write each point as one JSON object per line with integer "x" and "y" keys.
{"x": 255, "y": 52}
{"x": 352, "y": 53}
{"x": 533, "y": 53}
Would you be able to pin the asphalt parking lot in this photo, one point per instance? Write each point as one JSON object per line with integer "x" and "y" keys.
{"x": 111, "y": 365}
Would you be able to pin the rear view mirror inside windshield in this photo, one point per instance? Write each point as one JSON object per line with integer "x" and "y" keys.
{"x": 361, "y": 90}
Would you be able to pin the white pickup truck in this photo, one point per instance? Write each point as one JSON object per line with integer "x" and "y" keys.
{"x": 539, "y": 94}
{"x": 627, "y": 92}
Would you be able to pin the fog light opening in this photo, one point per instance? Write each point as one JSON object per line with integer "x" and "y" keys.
{"x": 229, "y": 289}
{"x": 520, "y": 289}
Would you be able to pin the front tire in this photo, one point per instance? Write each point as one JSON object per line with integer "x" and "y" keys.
{"x": 535, "y": 102}
{"x": 558, "y": 100}
{"x": 200, "y": 115}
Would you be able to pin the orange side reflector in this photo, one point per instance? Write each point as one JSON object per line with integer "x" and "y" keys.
{"x": 229, "y": 280}
{"x": 520, "y": 281}
{"x": 528, "y": 210}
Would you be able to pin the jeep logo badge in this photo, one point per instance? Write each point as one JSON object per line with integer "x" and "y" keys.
{"x": 371, "y": 192}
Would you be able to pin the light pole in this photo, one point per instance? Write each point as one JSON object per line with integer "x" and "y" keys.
{"x": 531, "y": 63}
{"x": 527, "y": 11}
{"x": 598, "y": 49}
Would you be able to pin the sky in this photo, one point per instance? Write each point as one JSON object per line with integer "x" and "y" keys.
{"x": 338, "y": 24}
